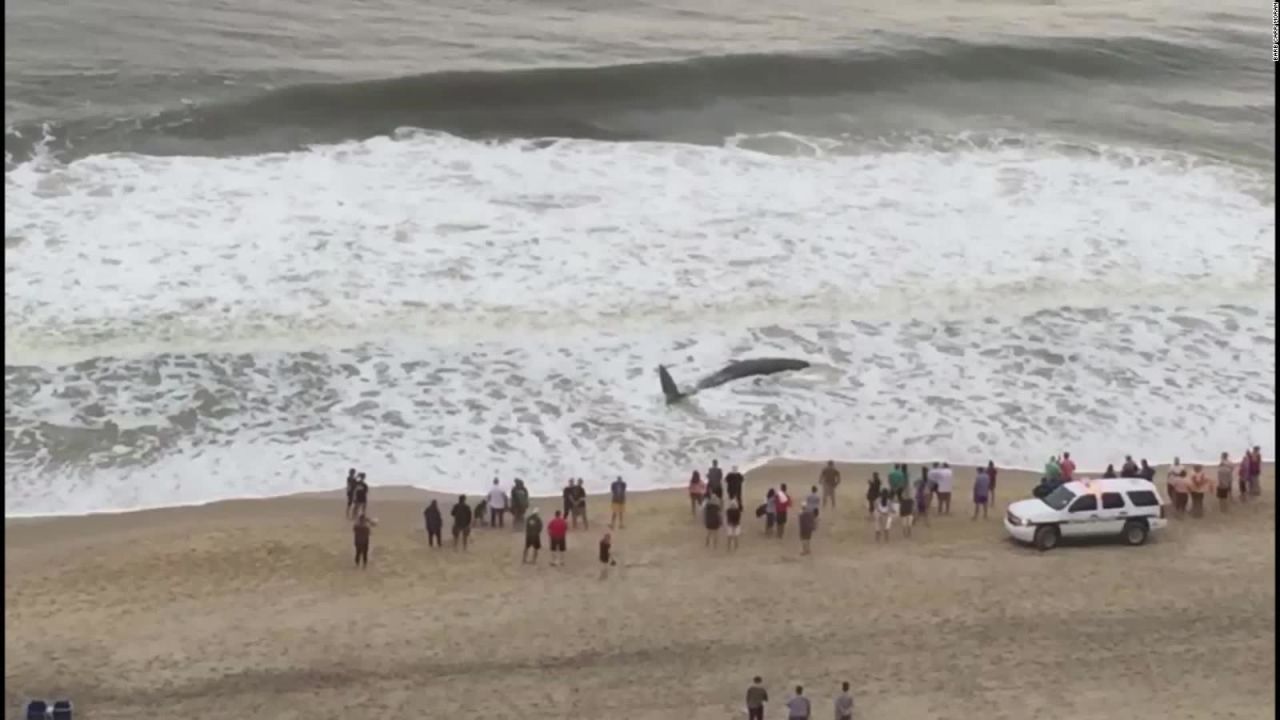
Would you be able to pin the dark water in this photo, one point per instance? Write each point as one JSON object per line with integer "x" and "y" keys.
{"x": 86, "y": 77}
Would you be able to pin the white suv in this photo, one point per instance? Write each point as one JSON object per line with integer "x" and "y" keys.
{"x": 1129, "y": 508}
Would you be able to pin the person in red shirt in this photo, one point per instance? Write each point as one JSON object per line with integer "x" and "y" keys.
{"x": 557, "y": 531}
{"x": 783, "y": 503}
{"x": 1068, "y": 467}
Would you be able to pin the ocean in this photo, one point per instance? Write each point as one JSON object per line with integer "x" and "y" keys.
{"x": 248, "y": 246}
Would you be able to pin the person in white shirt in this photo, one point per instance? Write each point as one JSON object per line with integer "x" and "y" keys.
{"x": 945, "y": 482}
{"x": 497, "y": 502}
{"x": 885, "y": 508}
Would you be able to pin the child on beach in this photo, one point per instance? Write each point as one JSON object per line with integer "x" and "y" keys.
{"x": 733, "y": 525}
{"x": 808, "y": 523}
{"x": 557, "y": 532}
{"x": 1198, "y": 485}
{"x": 981, "y": 493}
{"x": 696, "y": 491}
{"x": 770, "y": 511}
{"x": 906, "y": 513}
{"x": 360, "y": 496}
{"x": 873, "y": 494}
{"x": 922, "y": 498}
{"x": 711, "y": 518}
{"x": 1226, "y": 469}
{"x": 782, "y": 502}
{"x": 606, "y": 555}
{"x": 532, "y": 536}
{"x": 362, "y": 529}
{"x": 883, "y": 515}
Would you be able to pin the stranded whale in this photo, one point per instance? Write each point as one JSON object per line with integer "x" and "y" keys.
{"x": 732, "y": 371}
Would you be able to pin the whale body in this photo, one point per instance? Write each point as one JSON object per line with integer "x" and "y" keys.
{"x": 733, "y": 371}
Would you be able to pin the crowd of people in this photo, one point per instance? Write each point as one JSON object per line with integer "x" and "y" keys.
{"x": 716, "y": 501}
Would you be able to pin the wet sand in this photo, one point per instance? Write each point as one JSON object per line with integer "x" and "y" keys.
{"x": 253, "y": 609}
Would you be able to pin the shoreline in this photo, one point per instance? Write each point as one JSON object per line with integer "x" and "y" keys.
{"x": 396, "y": 488}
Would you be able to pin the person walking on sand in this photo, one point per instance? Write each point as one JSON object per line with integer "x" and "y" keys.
{"x": 884, "y": 515}
{"x": 844, "y": 703}
{"x": 606, "y": 555}
{"x": 711, "y": 518}
{"x": 808, "y": 523}
{"x": 812, "y": 501}
{"x": 435, "y": 524}
{"x": 757, "y": 696}
{"x": 580, "y": 505}
{"x": 360, "y": 496}
{"x": 362, "y": 529}
{"x": 497, "y": 501}
{"x": 873, "y": 494}
{"x": 906, "y": 513}
{"x": 770, "y": 511}
{"x": 532, "y": 537}
{"x": 351, "y": 490}
{"x": 783, "y": 503}
{"x": 798, "y": 707}
{"x": 618, "y": 503}
{"x": 733, "y": 483}
{"x": 991, "y": 475}
{"x": 732, "y": 525}
{"x": 1198, "y": 485}
{"x": 829, "y": 479}
{"x": 1226, "y": 471}
{"x": 715, "y": 480}
{"x": 696, "y": 491}
{"x": 557, "y": 533}
{"x": 981, "y": 493}
{"x": 461, "y": 522}
{"x": 519, "y": 504}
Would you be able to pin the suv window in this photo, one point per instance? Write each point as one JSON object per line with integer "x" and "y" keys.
{"x": 1112, "y": 501}
{"x": 1084, "y": 503}
{"x": 1143, "y": 498}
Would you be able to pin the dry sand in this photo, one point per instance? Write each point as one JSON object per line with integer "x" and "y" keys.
{"x": 253, "y": 609}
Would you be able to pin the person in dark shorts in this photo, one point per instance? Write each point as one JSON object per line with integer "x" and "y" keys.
{"x": 770, "y": 511}
{"x": 532, "y": 536}
{"x": 351, "y": 490}
{"x": 606, "y": 555}
{"x": 557, "y": 532}
{"x": 907, "y": 513}
{"x": 711, "y": 518}
{"x": 715, "y": 480}
{"x": 360, "y": 496}
{"x": 567, "y": 495}
{"x": 829, "y": 479}
{"x": 733, "y": 525}
{"x": 519, "y": 504}
{"x": 361, "y": 531}
{"x": 808, "y": 523}
{"x": 480, "y": 514}
{"x": 991, "y": 475}
{"x": 733, "y": 483}
{"x": 580, "y": 505}
{"x": 435, "y": 524}
{"x": 1226, "y": 471}
{"x": 873, "y": 493}
{"x": 757, "y": 696}
{"x": 461, "y": 522}
{"x": 783, "y": 502}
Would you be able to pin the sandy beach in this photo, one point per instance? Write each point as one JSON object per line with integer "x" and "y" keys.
{"x": 253, "y": 609}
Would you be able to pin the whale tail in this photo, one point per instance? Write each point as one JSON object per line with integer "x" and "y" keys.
{"x": 669, "y": 387}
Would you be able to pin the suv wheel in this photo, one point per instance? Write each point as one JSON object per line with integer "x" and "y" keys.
{"x": 1046, "y": 537}
{"x": 1135, "y": 532}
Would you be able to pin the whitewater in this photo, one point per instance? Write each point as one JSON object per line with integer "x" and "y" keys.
{"x": 438, "y": 311}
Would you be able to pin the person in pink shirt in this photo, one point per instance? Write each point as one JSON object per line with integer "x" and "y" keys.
{"x": 1068, "y": 467}
{"x": 697, "y": 489}
{"x": 782, "y": 503}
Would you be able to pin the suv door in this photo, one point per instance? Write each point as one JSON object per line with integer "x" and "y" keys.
{"x": 1082, "y": 517}
{"x": 1112, "y": 514}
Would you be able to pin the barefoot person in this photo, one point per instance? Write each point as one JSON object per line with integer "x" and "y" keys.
{"x": 361, "y": 530}
{"x": 1198, "y": 485}
{"x": 497, "y": 502}
{"x": 435, "y": 524}
{"x": 733, "y": 483}
{"x": 461, "y": 522}
{"x": 1176, "y": 484}
{"x": 808, "y": 523}
{"x": 783, "y": 504}
{"x": 982, "y": 493}
{"x": 906, "y": 513}
{"x": 922, "y": 499}
{"x": 1226, "y": 471}
{"x": 606, "y": 555}
{"x": 715, "y": 480}
{"x": 884, "y": 515}
{"x": 696, "y": 491}
{"x": 829, "y": 479}
{"x": 618, "y": 503}
{"x": 351, "y": 490}
{"x": 519, "y": 504}
{"x": 557, "y": 533}
{"x": 711, "y": 518}
{"x": 580, "y": 505}
{"x": 360, "y": 496}
{"x": 532, "y": 536}
{"x": 733, "y": 525}
{"x": 991, "y": 475}
{"x": 873, "y": 494}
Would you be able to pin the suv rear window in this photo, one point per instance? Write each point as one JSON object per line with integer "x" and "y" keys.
{"x": 1085, "y": 503}
{"x": 1112, "y": 501}
{"x": 1143, "y": 498}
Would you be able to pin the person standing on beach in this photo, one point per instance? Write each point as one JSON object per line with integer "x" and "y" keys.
{"x": 812, "y": 501}
{"x": 558, "y": 532}
{"x": 1226, "y": 471}
{"x": 532, "y": 536}
{"x": 733, "y": 525}
{"x": 808, "y": 523}
{"x": 1199, "y": 484}
{"x": 351, "y": 490}
{"x": 711, "y": 518}
{"x": 1175, "y": 484}
{"x": 580, "y": 505}
{"x": 829, "y": 479}
{"x": 360, "y": 496}
{"x": 1244, "y": 476}
{"x": 715, "y": 480}
{"x": 696, "y": 491}
{"x": 922, "y": 500}
{"x": 1255, "y": 471}
{"x": 497, "y": 501}
{"x": 798, "y": 707}
{"x": 783, "y": 504}
{"x": 519, "y": 504}
{"x": 461, "y": 522}
{"x": 757, "y": 696}
{"x": 898, "y": 480}
{"x": 733, "y": 483}
{"x": 873, "y": 494}
{"x": 844, "y": 703}
{"x": 991, "y": 475}
{"x": 618, "y": 505}
{"x": 770, "y": 511}
{"x": 568, "y": 494}
{"x": 1068, "y": 468}
{"x": 906, "y": 513}
{"x": 981, "y": 493}
{"x": 945, "y": 483}
{"x": 362, "y": 529}
{"x": 606, "y": 555}
{"x": 884, "y": 515}
{"x": 435, "y": 524}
